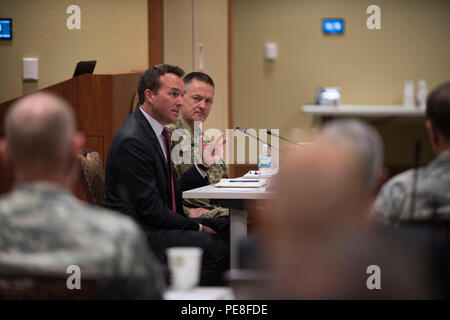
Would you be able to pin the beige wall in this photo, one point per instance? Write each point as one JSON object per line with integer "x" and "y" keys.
{"x": 184, "y": 31}
{"x": 178, "y": 35}
{"x": 369, "y": 66}
{"x": 114, "y": 32}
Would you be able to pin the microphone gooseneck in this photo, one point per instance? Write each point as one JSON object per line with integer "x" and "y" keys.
{"x": 278, "y": 136}
{"x": 255, "y": 137}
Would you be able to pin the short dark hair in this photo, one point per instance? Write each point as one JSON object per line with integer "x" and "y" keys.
{"x": 438, "y": 109}
{"x": 150, "y": 78}
{"x": 200, "y": 76}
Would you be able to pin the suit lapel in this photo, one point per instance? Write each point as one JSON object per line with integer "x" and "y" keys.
{"x": 145, "y": 125}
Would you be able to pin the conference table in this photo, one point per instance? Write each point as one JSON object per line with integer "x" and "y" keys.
{"x": 235, "y": 200}
{"x": 364, "y": 111}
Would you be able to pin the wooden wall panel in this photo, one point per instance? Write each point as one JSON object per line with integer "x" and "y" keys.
{"x": 124, "y": 88}
{"x": 101, "y": 103}
{"x": 155, "y": 32}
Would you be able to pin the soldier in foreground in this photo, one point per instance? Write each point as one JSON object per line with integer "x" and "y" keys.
{"x": 44, "y": 228}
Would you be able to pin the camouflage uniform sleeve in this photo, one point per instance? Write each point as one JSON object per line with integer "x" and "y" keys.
{"x": 391, "y": 203}
{"x": 180, "y": 168}
{"x": 186, "y": 210}
{"x": 216, "y": 172}
{"x": 380, "y": 207}
{"x": 225, "y": 170}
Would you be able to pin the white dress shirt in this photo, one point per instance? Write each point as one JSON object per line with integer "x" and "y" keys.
{"x": 158, "y": 129}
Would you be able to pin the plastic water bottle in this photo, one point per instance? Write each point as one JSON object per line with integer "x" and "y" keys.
{"x": 421, "y": 94}
{"x": 265, "y": 164}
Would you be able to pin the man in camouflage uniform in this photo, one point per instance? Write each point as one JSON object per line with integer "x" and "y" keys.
{"x": 198, "y": 99}
{"x": 44, "y": 228}
{"x": 423, "y": 193}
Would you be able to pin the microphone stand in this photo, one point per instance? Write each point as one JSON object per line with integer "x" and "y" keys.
{"x": 254, "y": 137}
{"x": 285, "y": 139}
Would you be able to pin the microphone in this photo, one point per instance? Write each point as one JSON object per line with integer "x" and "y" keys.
{"x": 285, "y": 139}
{"x": 255, "y": 137}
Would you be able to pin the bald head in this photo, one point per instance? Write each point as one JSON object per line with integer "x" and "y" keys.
{"x": 321, "y": 185}
{"x": 39, "y": 129}
{"x": 365, "y": 140}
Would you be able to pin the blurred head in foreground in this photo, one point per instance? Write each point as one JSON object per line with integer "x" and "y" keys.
{"x": 41, "y": 141}
{"x": 316, "y": 229}
{"x": 367, "y": 145}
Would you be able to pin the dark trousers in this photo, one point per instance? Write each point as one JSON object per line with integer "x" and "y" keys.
{"x": 216, "y": 249}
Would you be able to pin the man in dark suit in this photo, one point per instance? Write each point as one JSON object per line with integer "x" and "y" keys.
{"x": 140, "y": 179}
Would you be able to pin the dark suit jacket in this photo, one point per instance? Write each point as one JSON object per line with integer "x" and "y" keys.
{"x": 137, "y": 180}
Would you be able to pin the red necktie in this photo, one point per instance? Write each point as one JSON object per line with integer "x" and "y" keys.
{"x": 169, "y": 163}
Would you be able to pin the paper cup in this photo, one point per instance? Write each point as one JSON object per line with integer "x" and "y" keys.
{"x": 184, "y": 266}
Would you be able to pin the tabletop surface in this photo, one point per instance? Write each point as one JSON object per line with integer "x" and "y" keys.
{"x": 211, "y": 192}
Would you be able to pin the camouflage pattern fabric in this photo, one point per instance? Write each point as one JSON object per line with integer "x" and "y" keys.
{"x": 432, "y": 193}
{"x": 45, "y": 228}
{"x": 215, "y": 173}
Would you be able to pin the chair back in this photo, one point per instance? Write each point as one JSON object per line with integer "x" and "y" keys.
{"x": 134, "y": 102}
{"x": 45, "y": 285}
{"x": 92, "y": 176}
{"x": 440, "y": 225}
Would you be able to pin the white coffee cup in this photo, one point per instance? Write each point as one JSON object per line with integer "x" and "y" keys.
{"x": 184, "y": 266}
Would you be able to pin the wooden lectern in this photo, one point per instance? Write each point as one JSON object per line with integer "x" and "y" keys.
{"x": 101, "y": 104}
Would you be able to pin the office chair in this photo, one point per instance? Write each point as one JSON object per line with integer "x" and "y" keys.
{"x": 92, "y": 176}
{"x": 440, "y": 225}
{"x": 45, "y": 285}
{"x": 38, "y": 284}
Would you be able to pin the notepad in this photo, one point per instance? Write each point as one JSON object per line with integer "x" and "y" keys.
{"x": 241, "y": 183}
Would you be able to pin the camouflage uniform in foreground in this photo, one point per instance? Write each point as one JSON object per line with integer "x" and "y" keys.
{"x": 215, "y": 173}
{"x": 432, "y": 193}
{"x": 45, "y": 228}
